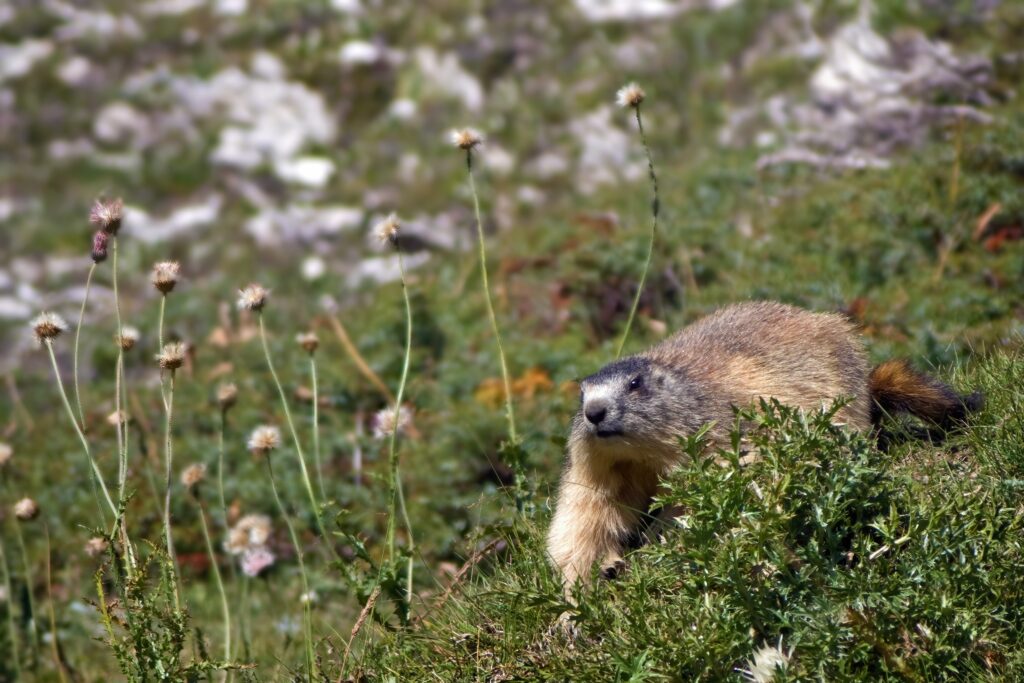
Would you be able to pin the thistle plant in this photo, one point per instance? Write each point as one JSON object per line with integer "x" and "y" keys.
{"x": 170, "y": 359}
{"x": 227, "y": 395}
{"x": 100, "y": 242}
{"x": 47, "y": 327}
{"x": 309, "y": 343}
{"x": 26, "y": 510}
{"x": 253, "y": 299}
{"x": 263, "y": 442}
{"x": 467, "y": 140}
{"x": 191, "y": 478}
{"x": 388, "y": 423}
{"x": 631, "y": 96}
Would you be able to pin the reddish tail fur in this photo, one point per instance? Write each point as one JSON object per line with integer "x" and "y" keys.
{"x": 896, "y": 387}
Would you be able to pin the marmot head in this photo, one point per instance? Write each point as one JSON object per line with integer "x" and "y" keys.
{"x": 637, "y": 403}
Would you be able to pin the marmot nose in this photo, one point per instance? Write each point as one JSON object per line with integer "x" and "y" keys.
{"x": 595, "y": 413}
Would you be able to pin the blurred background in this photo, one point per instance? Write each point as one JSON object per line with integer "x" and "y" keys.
{"x": 856, "y": 156}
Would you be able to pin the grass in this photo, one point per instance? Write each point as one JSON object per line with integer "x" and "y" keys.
{"x": 858, "y": 564}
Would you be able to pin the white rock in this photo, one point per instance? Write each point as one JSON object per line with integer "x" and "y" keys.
{"x": 360, "y": 52}
{"x": 607, "y": 153}
{"x": 307, "y": 171}
{"x": 231, "y": 8}
{"x": 182, "y": 221}
{"x": 18, "y": 59}
{"x": 74, "y": 71}
{"x": 313, "y": 268}
{"x": 444, "y": 74}
{"x": 628, "y": 10}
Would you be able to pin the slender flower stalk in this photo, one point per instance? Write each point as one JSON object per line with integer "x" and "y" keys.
{"x": 227, "y": 394}
{"x": 632, "y": 96}
{"x": 54, "y": 635}
{"x": 388, "y": 231}
{"x": 253, "y": 298}
{"x": 191, "y": 478}
{"x": 48, "y": 342}
{"x": 307, "y": 606}
{"x": 78, "y": 335}
{"x": 170, "y": 359}
{"x": 12, "y": 631}
{"x": 309, "y": 342}
{"x": 467, "y": 140}
{"x": 24, "y": 513}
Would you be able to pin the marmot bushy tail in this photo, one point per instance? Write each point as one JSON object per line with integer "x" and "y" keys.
{"x": 896, "y": 388}
{"x": 634, "y": 412}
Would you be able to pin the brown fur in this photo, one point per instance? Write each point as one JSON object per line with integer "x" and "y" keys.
{"x": 733, "y": 357}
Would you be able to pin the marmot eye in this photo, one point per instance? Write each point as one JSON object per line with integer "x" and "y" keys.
{"x": 636, "y": 382}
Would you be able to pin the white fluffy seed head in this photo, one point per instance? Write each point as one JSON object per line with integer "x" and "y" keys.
{"x": 387, "y": 230}
{"x": 193, "y": 475}
{"x": 466, "y": 138}
{"x": 172, "y": 356}
{"x": 264, "y": 439}
{"x": 766, "y": 662}
{"x": 47, "y": 326}
{"x": 629, "y": 95}
{"x": 128, "y": 338}
{"x": 26, "y": 509}
{"x": 385, "y": 421}
{"x": 252, "y": 298}
{"x": 165, "y": 276}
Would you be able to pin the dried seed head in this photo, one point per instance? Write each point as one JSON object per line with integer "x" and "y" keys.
{"x": 99, "y": 246}
{"x": 172, "y": 356}
{"x": 193, "y": 475}
{"x": 257, "y": 560}
{"x": 6, "y": 452}
{"x": 252, "y": 298}
{"x": 385, "y": 421}
{"x": 387, "y": 230}
{"x": 227, "y": 395}
{"x": 264, "y": 439}
{"x": 46, "y": 326}
{"x": 128, "y": 338}
{"x": 766, "y": 663}
{"x": 26, "y": 509}
{"x": 466, "y": 138}
{"x": 117, "y": 417}
{"x": 629, "y": 95}
{"x": 257, "y": 527}
{"x": 107, "y": 215}
{"x": 251, "y": 531}
{"x": 165, "y": 276}
{"x": 96, "y": 546}
{"x": 309, "y": 341}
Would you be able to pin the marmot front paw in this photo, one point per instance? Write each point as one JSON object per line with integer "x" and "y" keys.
{"x": 613, "y": 569}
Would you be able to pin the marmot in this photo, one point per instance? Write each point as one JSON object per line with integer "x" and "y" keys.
{"x": 634, "y": 411}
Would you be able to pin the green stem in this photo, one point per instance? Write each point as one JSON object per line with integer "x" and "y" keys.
{"x": 28, "y": 588}
{"x": 217, "y": 579}
{"x": 168, "y": 470}
{"x": 295, "y": 438}
{"x": 412, "y": 543}
{"x": 54, "y": 638}
{"x": 655, "y": 209}
{"x": 12, "y": 630}
{"x": 220, "y": 467}
{"x": 160, "y": 323}
{"x": 78, "y": 429}
{"x": 316, "y": 427}
{"x": 394, "y": 481}
{"x": 307, "y": 617}
{"x": 490, "y": 305}
{"x": 78, "y": 335}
